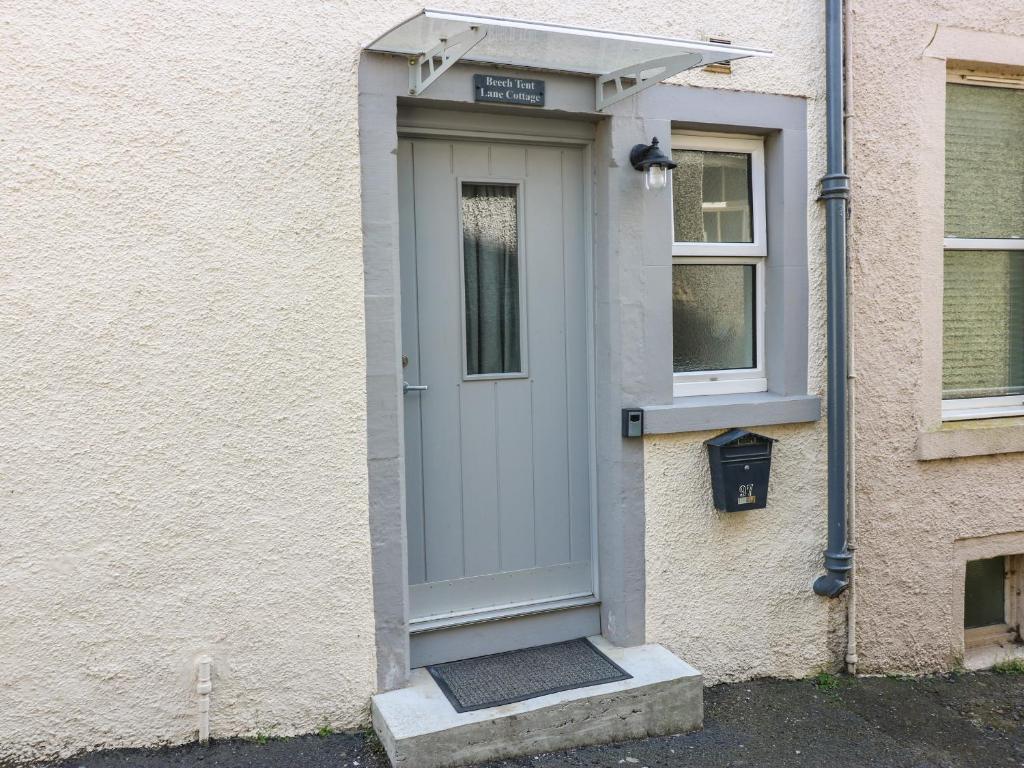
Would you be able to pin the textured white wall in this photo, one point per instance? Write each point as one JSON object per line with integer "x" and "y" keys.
{"x": 910, "y": 513}
{"x": 182, "y": 450}
{"x": 182, "y": 441}
{"x": 731, "y": 593}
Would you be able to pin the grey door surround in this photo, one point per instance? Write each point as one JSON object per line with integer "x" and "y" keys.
{"x": 632, "y": 306}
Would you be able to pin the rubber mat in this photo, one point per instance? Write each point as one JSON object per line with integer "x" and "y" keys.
{"x": 504, "y": 678}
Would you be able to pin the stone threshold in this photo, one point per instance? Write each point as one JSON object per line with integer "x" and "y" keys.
{"x": 419, "y": 728}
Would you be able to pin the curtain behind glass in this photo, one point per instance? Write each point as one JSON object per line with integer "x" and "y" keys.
{"x": 983, "y": 324}
{"x": 984, "y": 161}
{"x": 490, "y": 248}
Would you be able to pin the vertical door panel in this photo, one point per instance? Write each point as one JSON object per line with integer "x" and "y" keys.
{"x": 515, "y": 475}
{"x": 410, "y": 343}
{"x": 577, "y": 355}
{"x": 437, "y": 249}
{"x": 546, "y": 297}
{"x": 478, "y": 431}
{"x": 480, "y": 478}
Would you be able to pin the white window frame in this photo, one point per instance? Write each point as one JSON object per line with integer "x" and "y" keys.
{"x": 982, "y": 407}
{"x": 753, "y": 146}
{"x": 741, "y": 380}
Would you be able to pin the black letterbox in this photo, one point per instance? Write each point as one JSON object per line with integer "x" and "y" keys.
{"x": 741, "y": 462}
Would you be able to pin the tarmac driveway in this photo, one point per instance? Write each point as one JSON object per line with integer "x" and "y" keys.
{"x": 951, "y": 721}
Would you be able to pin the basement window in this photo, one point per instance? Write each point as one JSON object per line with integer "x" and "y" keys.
{"x": 991, "y": 605}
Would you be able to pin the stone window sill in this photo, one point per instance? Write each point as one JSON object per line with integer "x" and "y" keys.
{"x": 982, "y": 437}
{"x": 704, "y": 412}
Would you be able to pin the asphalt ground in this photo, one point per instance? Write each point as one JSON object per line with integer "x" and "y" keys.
{"x": 963, "y": 720}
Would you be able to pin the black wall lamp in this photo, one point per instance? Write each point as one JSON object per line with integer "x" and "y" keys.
{"x": 653, "y": 163}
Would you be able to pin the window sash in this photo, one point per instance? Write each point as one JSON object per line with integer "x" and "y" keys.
{"x": 983, "y": 244}
{"x": 962, "y": 409}
{"x": 733, "y": 380}
{"x": 750, "y": 145}
{"x": 983, "y": 197}
{"x": 982, "y": 407}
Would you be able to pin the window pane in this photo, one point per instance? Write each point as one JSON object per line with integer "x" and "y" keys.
{"x": 983, "y": 324}
{"x": 713, "y": 317}
{"x": 984, "y": 593}
{"x": 490, "y": 249}
{"x": 984, "y": 161}
{"x": 711, "y": 195}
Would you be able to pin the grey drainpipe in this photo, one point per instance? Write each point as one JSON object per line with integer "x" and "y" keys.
{"x": 835, "y": 191}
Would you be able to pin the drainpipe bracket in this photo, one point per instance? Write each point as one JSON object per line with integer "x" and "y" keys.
{"x": 835, "y": 185}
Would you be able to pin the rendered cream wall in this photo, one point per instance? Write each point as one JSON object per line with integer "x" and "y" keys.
{"x": 910, "y": 513}
{"x": 182, "y": 400}
{"x": 182, "y": 450}
{"x": 731, "y": 593}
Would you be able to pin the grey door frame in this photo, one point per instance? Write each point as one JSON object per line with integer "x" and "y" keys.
{"x": 618, "y": 255}
{"x": 539, "y": 138}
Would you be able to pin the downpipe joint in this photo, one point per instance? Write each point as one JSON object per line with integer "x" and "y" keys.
{"x": 835, "y": 186}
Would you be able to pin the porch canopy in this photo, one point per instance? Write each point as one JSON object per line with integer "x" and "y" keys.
{"x": 622, "y": 64}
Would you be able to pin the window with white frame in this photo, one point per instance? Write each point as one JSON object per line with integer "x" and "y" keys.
{"x": 983, "y": 274}
{"x": 718, "y": 263}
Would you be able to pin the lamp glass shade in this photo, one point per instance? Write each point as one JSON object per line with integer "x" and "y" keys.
{"x": 656, "y": 177}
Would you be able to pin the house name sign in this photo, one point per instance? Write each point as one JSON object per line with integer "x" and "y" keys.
{"x": 508, "y": 90}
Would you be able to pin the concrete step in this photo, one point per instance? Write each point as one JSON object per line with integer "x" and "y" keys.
{"x": 419, "y": 728}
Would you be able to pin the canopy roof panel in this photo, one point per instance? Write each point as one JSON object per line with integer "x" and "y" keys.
{"x": 527, "y": 44}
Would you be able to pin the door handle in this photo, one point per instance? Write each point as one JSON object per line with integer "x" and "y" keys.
{"x": 407, "y": 387}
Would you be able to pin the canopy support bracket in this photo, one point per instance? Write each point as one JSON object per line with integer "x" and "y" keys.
{"x": 441, "y": 58}
{"x": 631, "y": 80}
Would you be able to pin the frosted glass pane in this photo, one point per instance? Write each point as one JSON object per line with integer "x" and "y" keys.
{"x": 983, "y": 324}
{"x": 490, "y": 251}
{"x": 984, "y": 161}
{"x": 711, "y": 197}
{"x": 985, "y": 593}
{"x": 712, "y": 317}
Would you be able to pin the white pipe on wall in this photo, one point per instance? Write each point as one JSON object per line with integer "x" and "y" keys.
{"x": 204, "y": 685}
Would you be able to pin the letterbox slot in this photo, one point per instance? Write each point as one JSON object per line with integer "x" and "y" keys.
{"x": 741, "y": 454}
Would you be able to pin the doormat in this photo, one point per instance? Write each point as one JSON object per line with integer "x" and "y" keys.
{"x": 505, "y": 678}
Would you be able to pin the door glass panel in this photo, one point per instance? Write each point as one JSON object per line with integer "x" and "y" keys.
{"x": 713, "y": 317}
{"x": 984, "y": 593}
{"x": 983, "y": 324}
{"x": 490, "y": 252}
{"x": 711, "y": 197}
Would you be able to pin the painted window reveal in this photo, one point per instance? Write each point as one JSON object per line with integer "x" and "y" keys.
{"x": 713, "y": 308}
{"x": 712, "y": 192}
{"x": 985, "y": 593}
{"x": 491, "y": 275}
{"x": 718, "y": 261}
{"x": 983, "y": 296}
